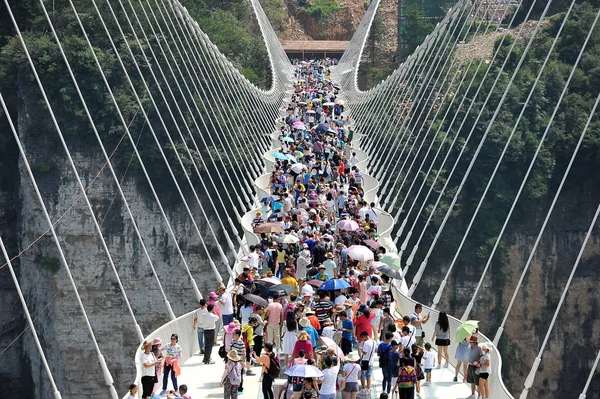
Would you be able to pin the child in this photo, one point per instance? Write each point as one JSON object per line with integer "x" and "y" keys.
{"x": 428, "y": 363}
{"x": 182, "y": 393}
{"x": 133, "y": 390}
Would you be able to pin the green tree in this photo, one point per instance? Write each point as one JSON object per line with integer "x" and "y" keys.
{"x": 414, "y": 28}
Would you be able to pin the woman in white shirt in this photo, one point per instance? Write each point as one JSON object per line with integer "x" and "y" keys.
{"x": 350, "y": 376}
{"x": 328, "y": 380}
{"x": 484, "y": 371}
{"x": 149, "y": 362}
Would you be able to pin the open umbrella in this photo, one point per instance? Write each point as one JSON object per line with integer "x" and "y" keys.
{"x": 340, "y": 102}
{"x": 297, "y": 168}
{"x": 322, "y": 128}
{"x": 291, "y": 121}
{"x": 391, "y": 259}
{"x": 279, "y": 155}
{"x": 335, "y": 284}
{"x": 301, "y": 103}
{"x": 310, "y": 111}
{"x": 299, "y": 125}
{"x": 257, "y": 300}
{"x": 315, "y": 283}
{"x": 291, "y": 158}
{"x": 372, "y": 244}
{"x": 287, "y": 139}
{"x": 329, "y": 104}
{"x": 270, "y": 198}
{"x": 269, "y": 228}
{"x": 330, "y": 344}
{"x": 388, "y": 271}
{"x": 466, "y": 329}
{"x": 298, "y": 90}
{"x": 281, "y": 289}
{"x": 290, "y": 239}
{"x": 268, "y": 281}
{"x": 376, "y": 264}
{"x": 339, "y": 122}
{"x": 361, "y": 253}
{"x": 304, "y": 371}
{"x": 348, "y": 225}
{"x": 316, "y": 100}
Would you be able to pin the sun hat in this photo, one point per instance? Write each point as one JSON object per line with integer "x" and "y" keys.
{"x": 231, "y": 327}
{"x": 308, "y": 311}
{"x": 157, "y": 341}
{"x": 374, "y": 292}
{"x": 322, "y": 267}
{"x": 212, "y": 294}
{"x": 352, "y": 357}
{"x": 304, "y": 322}
{"x": 348, "y": 303}
{"x": 329, "y": 255}
{"x": 338, "y": 308}
{"x": 304, "y": 245}
{"x": 233, "y": 355}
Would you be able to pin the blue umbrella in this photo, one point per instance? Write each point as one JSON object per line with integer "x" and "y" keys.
{"x": 279, "y": 155}
{"x": 339, "y": 122}
{"x": 288, "y": 139}
{"x": 270, "y": 198}
{"x": 292, "y": 120}
{"x": 334, "y": 284}
{"x": 322, "y": 128}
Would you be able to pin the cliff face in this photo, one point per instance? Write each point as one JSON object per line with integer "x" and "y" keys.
{"x": 49, "y": 294}
{"x": 578, "y": 323}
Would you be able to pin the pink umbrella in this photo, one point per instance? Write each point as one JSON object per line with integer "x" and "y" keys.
{"x": 348, "y": 225}
{"x": 299, "y": 125}
{"x": 332, "y": 345}
{"x": 361, "y": 253}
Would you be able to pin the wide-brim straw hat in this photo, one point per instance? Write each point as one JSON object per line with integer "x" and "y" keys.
{"x": 308, "y": 311}
{"x": 352, "y": 357}
{"x": 304, "y": 322}
{"x": 348, "y": 303}
{"x": 329, "y": 255}
{"x": 233, "y": 355}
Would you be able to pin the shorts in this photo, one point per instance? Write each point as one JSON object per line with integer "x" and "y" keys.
{"x": 351, "y": 387}
{"x": 227, "y": 318}
{"x": 484, "y": 376}
{"x": 472, "y": 378}
{"x": 442, "y": 342}
{"x": 327, "y": 396}
{"x": 366, "y": 373}
{"x": 428, "y": 370}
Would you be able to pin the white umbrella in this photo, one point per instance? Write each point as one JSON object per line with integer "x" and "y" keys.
{"x": 310, "y": 111}
{"x": 329, "y": 104}
{"x": 316, "y": 100}
{"x": 297, "y": 167}
{"x": 290, "y": 239}
{"x": 348, "y": 225}
{"x": 304, "y": 371}
{"x": 270, "y": 280}
{"x": 361, "y": 253}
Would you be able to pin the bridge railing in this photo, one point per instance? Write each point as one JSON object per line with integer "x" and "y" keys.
{"x": 406, "y": 306}
{"x": 370, "y": 187}
{"x": 183, "y": 326}
{"x": 251, "y": 238}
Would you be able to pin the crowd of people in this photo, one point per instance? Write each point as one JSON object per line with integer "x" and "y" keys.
{"x": 310, "y": 293}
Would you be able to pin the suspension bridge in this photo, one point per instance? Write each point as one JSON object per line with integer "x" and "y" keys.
{"x": 215, "y": 135}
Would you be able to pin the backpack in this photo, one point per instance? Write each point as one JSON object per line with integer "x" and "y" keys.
{"x": 383, "y": 359}
{"x": 235, "y": 375}
{"x": 406, "y": 377}
{"x": 274, "y": 368}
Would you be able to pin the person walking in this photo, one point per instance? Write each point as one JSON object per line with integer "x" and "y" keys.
{"x": 485, "y": 369}
{"x": 417, "y": 320}
{"x": 149, "y": 363}
{"x": 475, "y": 355}
{"x": 269, "y": 366}
{"x": 350, "y": 376}
{"x": 441, "y": 337}
{"x": 368, "y": 349}
{"x": 208, "y": 321}
{"x": 407, "y": 378}
{"x": 174, "y": 353}
{"x": 274, "y": 318}
{"x": 232, "y": 375}
{"x": 200, "y": 331}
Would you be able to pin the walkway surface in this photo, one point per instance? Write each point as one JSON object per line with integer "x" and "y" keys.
{"x": 203, "y": 381}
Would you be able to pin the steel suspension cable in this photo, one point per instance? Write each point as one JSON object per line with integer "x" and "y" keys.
{"x": 562, "y": 182}
{"x": 504, "y": 150}
{"x": 107, "y": 159}
{"x": 55, "y": 391}
{"x": 134, "y": 146}
{"x": 464, "y": 146}
{"x": 536, "y": 364}
{"x": 73, "y": 167}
